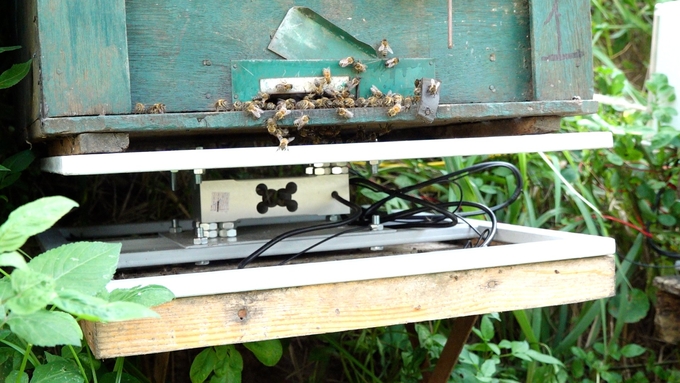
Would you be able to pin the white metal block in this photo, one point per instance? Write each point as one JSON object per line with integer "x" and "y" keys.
{"x": 232, "y": 200}
{"x": 665, "y": 56}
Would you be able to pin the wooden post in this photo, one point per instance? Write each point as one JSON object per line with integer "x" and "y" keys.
{"x": 460, "y": 331}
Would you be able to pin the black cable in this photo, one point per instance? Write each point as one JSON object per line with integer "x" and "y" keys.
{"x": 353, "y": 217}
{"x": 350, "y": 230}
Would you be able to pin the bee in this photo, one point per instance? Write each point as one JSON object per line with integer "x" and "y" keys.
{"x": 238, "y": 106}
{"x": 140, "y": 108}
{"x": 391, "y": 63}
{"x": 156, "y": 109}
{"x": 433, "y": 88}
{"x": 269, "y": 106}
{"x": 271, "y": 126}
{"x": 261, "y": 96}
{"x": 282, "y": 112}
{"x": 301, "y": 121}
{"x": 284, "y": 87}
{"x": 388, "y": 100}
{"x": 221, "y": 105}
{"x": 283, "y": 142}
{"x": 319, "y": 103}
{"x": 393, "y": 111}
{"x": 327, "y": 75}
{"x": 344, "y": 113}
{"x": 304, "y": 104}
{"x": 376, "y": 92}
{"x": 398, "y": 99}
{"x": 290, "y": 103}
{"x": 408, "y": 101}
{"x": 252, "y": 109}
{"x": 361, "y": 102}
{"x": 348, "y": 102}
{"x": 373, "y": 101}
{"x": 353, "y": 83}
{"x": 318, "y": 87}
{"x": 417, "y": 83}
{"x": 359, "y": 67}
{"x": 384, "y": 48}
{"x": 347, "y": 61}
{"x": 280, "y": 132}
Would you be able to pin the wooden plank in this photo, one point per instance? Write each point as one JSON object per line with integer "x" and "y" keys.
{"x": 84, "y": 57}
{"x": 29, "y": 98}
{"x": 180, "y": 53}
{"x": 287, "y": 312}
{"x": 185, "y": 123}
{"x": 561, "y": 49}
{"x": 88, "y": 143}
{"x": 667, "y": 316}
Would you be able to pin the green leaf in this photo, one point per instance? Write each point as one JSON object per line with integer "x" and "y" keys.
{"x": 543, "y": 358}
{"x": 666, "y": 220}
{"x": 636, "y": 307}
{"x": 96, "y": 309}
{"x": 632, "y": 350}
{"x": 203, "y": 365}
{"x": 31, "y": 219}
{"x": 6, "y": 290}
{"x": 488, "y": 368}
{"x": 111, "y": 377}
{"x": 12, "y": 377}
{"x": 149, "y": 296}
{"x": 46, "y": 328}
{"x": 230, "y": 363}
{"x": 83, "y": 266}
{"x": 12, "y": 259}
{"x": 577, "y": 368}
{"x": 13, "y": 75}
{"x": 33, "y": 291}
{"x": 267, "y": 351}
{"x": 4, "y": 169}
{"x": 20, "y": 161}
{"x": 614, "y": 159}
{"x": 57, "y": 372}
{"x": 486, "y": 328}
{"x": 12, "y": 48}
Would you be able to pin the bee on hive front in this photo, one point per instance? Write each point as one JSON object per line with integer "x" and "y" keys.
{"x": 433, "y": 88}
{"x": 156, "y": 109}
{"x": 281, "y": 112}
{"x": 376, "y": 92}
{"x": 393, "y": 111}
{"x": 252, "y": 109}
{"x": 140, "y": 108}
{"x": 327, "y": 75}
{"x": 384, "y": 48}
{"x": 347, "y": 61}
{"x": 301, "y": 121}
{"x": 359, "y": 67}
{"x": 304, "y": 104}
{"x": 283, "y": 142}
{"x": 238, "y": 106}
{"x": 344, "y": 113}
{"x": 284, "y": 87}
{"x": 271, "y": 126}
{"x": 221, "y": 105}
{"x": 391, "y": 63}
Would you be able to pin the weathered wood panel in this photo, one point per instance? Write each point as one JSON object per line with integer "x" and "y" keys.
{"x": 561, "y": 49}
{"x": 238, "y": 121}
{"x": 180, "y": 53}
{"x": 84, "y": 57}
{"x": 280, "y": 313}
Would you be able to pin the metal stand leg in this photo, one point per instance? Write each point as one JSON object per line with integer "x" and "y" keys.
{"x": 460, "y": 332}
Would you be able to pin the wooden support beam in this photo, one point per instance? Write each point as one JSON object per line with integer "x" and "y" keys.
{"x": 286, "y": 312}
{"x": 460, "y": 331}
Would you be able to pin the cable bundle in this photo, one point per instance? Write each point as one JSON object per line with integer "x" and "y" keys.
{"x": 424, "y": 214}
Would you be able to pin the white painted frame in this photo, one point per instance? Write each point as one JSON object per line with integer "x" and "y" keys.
{"x": 138, "y": 162}
{"x": 525, "y": 245}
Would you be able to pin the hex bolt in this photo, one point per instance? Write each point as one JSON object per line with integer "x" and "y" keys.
{"x": 175, "y": 227}
{"x": 375, "y": 223}
{"x": 173, "y": 180}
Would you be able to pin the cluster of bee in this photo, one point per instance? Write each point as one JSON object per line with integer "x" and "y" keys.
{"x": 322, "y": 95}
{"x": 153, "y": 109}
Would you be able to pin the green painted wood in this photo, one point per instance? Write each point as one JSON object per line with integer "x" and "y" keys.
{"x": 83, "y": 55}
{"x": 246, "y": 75}
{"x": 180, "y": 52}
{"x": 562, "y": 56}
{"x": 184, "y": 123}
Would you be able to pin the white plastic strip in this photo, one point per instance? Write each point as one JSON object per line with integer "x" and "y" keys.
{"x": 555, "y": 246}
{"x": 137, "y": 162}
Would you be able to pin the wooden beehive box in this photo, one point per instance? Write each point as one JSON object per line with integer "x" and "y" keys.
{"x": 95, "y": 59}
